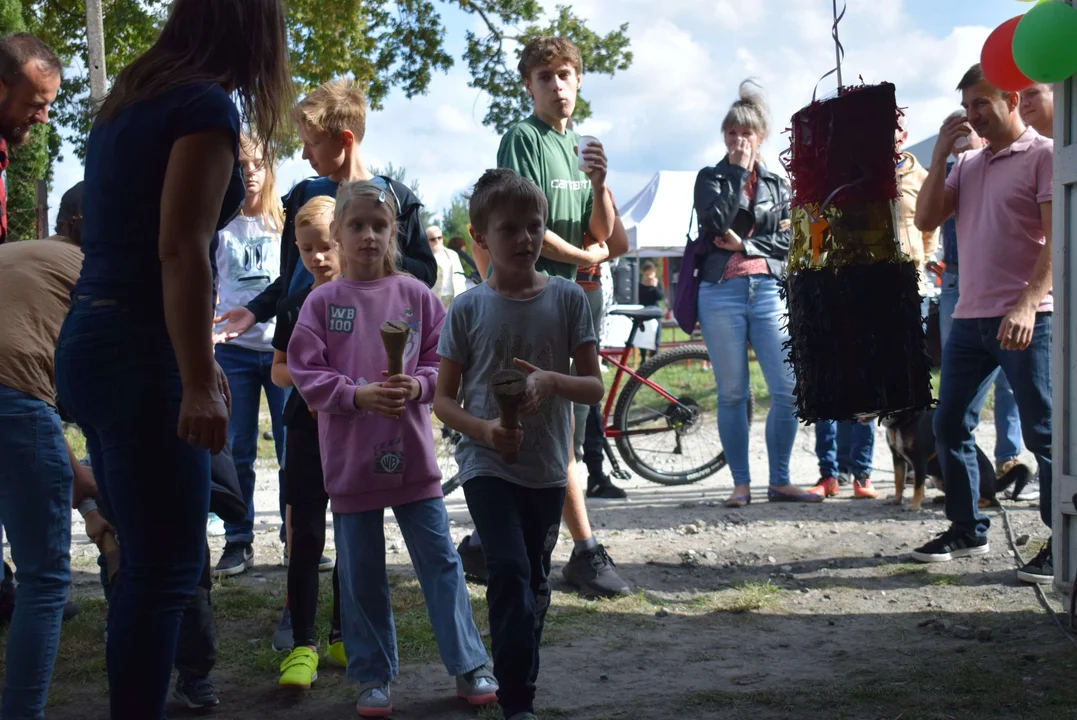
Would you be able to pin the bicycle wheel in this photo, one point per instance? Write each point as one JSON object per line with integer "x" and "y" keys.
{"x": 671, "y": 437}
{"x": 445, "y": 441}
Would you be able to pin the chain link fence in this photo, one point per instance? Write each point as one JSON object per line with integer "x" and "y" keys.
{"x": 29, "y": 223}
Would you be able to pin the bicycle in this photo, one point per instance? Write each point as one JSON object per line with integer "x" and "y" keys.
{"x": 664, "y": 419}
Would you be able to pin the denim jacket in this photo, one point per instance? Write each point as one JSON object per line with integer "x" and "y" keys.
{"x": 721, "y": 206}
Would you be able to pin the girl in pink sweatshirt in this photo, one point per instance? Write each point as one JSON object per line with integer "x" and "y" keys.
{"x": 377, "y": 449}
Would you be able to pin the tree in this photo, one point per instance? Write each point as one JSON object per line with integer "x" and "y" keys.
{"x": 455, "y": 220}
{"x": 383, "y": 44}
{"x": 401, "y": 176}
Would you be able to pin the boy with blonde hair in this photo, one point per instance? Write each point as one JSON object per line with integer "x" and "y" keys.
{"x": 332, "y": 125}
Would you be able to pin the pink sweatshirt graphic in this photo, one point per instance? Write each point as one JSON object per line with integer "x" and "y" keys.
{"x": 369, "y": 462}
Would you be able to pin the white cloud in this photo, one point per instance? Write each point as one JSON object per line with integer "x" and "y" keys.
{"x": 665, "y": 111}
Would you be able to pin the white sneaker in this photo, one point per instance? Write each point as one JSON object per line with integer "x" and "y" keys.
{"x": 214, "y": 526}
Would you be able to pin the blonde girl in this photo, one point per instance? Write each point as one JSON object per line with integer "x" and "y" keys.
{"x": 248, "y": 260}
{"x": 378, "y": 448}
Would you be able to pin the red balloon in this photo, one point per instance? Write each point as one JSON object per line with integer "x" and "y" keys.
{"x": 997, "y": 61}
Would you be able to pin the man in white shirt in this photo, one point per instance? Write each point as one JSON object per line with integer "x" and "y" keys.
{"x": 451, "y": 277}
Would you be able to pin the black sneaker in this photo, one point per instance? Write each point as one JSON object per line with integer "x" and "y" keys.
{"x": 1040, "y": 569}
{"x": 601, "y": 487}
{"x": 195, "y": 693}
{"x": 591, "y": 572}
{"x": 236, "y": 559}
{"x": 473, "y": 558}
{"x": 951, "y": 545}
{"x": 283, "y": 640}
{"x": 325, "y": 563}
{"x": 71, "y": 610}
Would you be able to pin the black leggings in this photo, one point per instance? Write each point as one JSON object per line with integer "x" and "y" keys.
{"x": 306, "y": 494}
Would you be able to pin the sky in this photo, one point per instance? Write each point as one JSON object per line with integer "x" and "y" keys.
{"x": 665, "y": 111}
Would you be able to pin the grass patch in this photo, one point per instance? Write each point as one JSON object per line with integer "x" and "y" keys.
{"x": 750, "y": 596}
{"x": 968, "y": 690}
{"x": 945, "y": 580}
{"x": 903, "y": 569}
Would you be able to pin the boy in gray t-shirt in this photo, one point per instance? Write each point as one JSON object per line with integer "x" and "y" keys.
{"x": 523, "y": 319}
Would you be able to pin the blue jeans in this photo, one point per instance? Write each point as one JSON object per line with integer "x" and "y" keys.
{"x": 116, "y": 375}
{"x": 365, "y": 612}
{"x": 248, "y": 373}
{"x": 35, "y": 508}
{"x": 732, "y": 314}
{"x": 520, "y": 526}
{"x": 844, "y": 447}
{"x": 1007, "y": 419}
{"x": 971, "y": 356}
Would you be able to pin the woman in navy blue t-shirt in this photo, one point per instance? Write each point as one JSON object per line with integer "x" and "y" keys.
{"x": 134, "y": 363}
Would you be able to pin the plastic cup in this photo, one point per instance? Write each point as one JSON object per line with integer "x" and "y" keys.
{"x": 584, "y": 143}
{"x": 963, "y": 141}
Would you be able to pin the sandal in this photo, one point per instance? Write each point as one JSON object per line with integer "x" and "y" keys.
{"x": 736, "y": 501}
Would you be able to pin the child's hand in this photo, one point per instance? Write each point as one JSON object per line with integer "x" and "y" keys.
{"x": 503, "y": 440}
{"x": 411, "y": 387}
{"x": 97, "y": 526}
{"x": 541, "y": 384}
{"x": 385, "y": 401}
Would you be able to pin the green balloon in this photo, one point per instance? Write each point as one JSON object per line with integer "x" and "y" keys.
{"x": 1045, "y": 42}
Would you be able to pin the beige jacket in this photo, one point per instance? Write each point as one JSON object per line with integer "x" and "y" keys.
{"x": 920, "y": 246}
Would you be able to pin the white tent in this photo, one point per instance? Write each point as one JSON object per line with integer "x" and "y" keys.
{"x": 657, "y": 218}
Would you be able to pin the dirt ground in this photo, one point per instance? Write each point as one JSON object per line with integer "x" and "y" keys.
{"x": 770, "y": 611}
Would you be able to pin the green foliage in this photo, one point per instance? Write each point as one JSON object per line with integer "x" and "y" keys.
{"x": 455, "y": 220}
{"x": 383, "y": 44}
{"x": 29, "y": 163}
{"x": 130, "y": 27}
{"x": 11, "y": 16}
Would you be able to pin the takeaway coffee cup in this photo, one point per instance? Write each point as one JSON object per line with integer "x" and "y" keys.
{"x": 584, "y": 143}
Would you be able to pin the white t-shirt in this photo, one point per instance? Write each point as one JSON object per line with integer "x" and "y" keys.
{"x": 248, "y": 260}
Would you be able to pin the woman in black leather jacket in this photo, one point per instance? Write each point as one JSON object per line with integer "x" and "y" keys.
{"x": 743, "y": 212}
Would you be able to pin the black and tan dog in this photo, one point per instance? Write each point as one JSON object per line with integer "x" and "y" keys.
{"x": 912, "y": 444}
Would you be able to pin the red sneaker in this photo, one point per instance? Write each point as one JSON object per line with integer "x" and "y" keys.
{"x": 826, "y": 487}
{"x": 863, "y": 489}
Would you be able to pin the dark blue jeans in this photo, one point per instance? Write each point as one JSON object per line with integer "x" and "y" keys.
{"x": 844, "y": 447}
{"x": 969, "y": 360}
{"x": 248, "y": 373}
{"x": 116, "y": 376}
{"x": 35, "y": 507}
{"x": 519, "y": 528}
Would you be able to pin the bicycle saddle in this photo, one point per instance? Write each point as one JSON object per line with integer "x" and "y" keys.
{"x": 638, "y": 312}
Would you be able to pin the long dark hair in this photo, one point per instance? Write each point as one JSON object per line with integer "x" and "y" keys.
{"x": 238, "y": 44}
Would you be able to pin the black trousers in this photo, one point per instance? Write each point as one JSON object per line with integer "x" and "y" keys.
{"x": 196, "y": 652}
{"x": 305, "y": 492}
{"x": 519, "y": 527}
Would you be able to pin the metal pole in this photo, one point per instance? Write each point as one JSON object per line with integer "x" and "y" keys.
{"x": 95, "y": 42}
{"x": 837, "y": 45}
{"x": 41, "y": 207}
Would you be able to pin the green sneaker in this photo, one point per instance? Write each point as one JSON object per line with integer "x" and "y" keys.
{"x": 336, "y": 656}
{"x": 300, "y": 668}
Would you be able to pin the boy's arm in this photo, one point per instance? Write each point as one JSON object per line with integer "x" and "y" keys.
{"x": 584, "y": 388}
{"x": 279, "y": 372}
{"x": 324, "y": 388}
{"x": 446, "y": 406}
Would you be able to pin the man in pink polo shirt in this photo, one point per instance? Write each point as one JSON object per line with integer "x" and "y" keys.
{"x": 1001, "y": 198}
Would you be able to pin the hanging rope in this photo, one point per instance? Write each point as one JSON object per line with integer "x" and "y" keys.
{"x": 839, "y": 51}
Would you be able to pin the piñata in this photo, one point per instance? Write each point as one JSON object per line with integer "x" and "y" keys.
{"x": 857, "y": 342}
